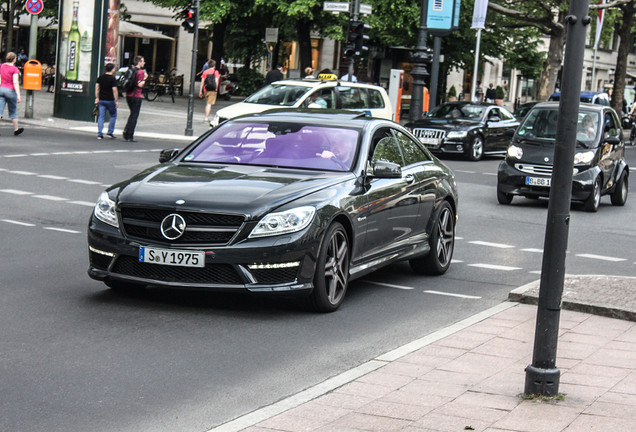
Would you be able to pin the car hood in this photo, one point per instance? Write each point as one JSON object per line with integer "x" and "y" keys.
{"x": 244, "y": 189}
{"x": 444, "y": 124}
{"x": 244, "y": 108}
{"x": 541, "y": 154}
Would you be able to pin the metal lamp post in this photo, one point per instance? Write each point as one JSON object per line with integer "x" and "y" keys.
{"x": 419, "y": 57}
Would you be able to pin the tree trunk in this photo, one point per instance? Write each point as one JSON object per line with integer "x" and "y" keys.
{"x": 624, "y": 31}
{"x": 548, "y": 79}
{"x": 9, "y": 27}
{"x": 303, "y": 28}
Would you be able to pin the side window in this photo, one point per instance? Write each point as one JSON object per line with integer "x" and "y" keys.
{"x": 609, "y": 126}
{"x": 506, "y": 115}
{"x": 385, "y": 148}
{"x": 353, "y": 98}
{"x": 494, "y": 112}
{"x": 323, "y": 97}
{"x": 411, "y": 151}
{"x": 375, "y": 99}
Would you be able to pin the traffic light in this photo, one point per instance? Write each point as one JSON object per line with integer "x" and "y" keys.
{"x": 189, "y": 17}
{"x": 356, "y": 36}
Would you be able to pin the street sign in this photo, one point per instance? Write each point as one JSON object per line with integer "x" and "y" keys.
{"x": 34, "y": 6}
{"x": 335, "y": 7}
{"x": 365, "y": 9}
{"x": 271, "y": 35}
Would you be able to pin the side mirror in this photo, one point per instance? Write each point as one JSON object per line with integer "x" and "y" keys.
{"x": 382, "y": 169}
{"x": 167, "y": 154}
{"x": 509, "y": 133}
{"x": 613, "y": 140}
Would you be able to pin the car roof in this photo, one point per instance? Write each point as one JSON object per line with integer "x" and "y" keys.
{"x": 315, "y": 82}
{"x": 585, "y": 94}
{"x": 318, "y": 116}
{"x": 587, "y": 106}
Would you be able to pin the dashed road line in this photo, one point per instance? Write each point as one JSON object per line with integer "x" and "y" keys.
{"x": 17, "y": 222}
{"x": 402, "y": 287}
{"x": 63, "y": 230}
{"x": 451, "y": 294}
{"x": 87, "y": 182}
{"x": 26, "y": 173}
{"x": 494, "y": 267}
{"x": 50, "y": 197}
{"x": 495, "y": 245}
{"x": 82, "y": 203}
{"x": 601, "y": 257}
{"x": 52, "y": 177}
{"x": 16, "y": 192}
{"x": 533, "y": 250}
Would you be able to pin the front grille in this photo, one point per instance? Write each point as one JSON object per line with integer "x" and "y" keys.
{"x": 429, "y": 133}
{"x": 208, "y": 228}
{"x": 545, "y": 170}
{"x": 224, "y": 274}
{"x": 99, "y": 261}
{"x": 275, "y": 276}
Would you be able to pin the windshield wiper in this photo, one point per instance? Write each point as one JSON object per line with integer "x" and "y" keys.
{"x": 582, "y": 144}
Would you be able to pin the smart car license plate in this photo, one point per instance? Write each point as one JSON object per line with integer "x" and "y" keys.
{"x": 430, "y": 141}
{"x": 172, "y": 257}
{"x": 538, "y": 181}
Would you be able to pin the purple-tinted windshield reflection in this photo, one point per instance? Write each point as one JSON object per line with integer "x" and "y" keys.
{"x": 279, "y": 144}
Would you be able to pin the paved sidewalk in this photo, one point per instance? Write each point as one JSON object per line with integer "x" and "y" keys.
{"x": 470, "y": 376}
{"x": 159, "y": 119}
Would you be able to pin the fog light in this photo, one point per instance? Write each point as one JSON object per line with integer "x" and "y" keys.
{"x": 274, "y": 265}
{"x": 460, "y": 147}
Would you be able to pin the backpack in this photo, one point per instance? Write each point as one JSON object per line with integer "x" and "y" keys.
{"x": 128, "y": 80}
{"x": 210, "y": 82}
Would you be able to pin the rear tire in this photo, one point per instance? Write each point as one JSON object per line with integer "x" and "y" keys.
{"x": 619, "y": 196}
{"x": 332, "y": 271}
{"x": 504, "y": 198}
{"x": 442, "y": 244}
{"x": 594, "y": 201}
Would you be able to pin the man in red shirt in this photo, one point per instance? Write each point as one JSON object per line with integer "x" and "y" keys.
{"x": 134, "y": 98}
{"x": 210, "y": 95}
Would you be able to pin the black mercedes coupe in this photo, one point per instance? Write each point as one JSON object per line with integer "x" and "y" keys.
{"x": 287, "y": 202}
{"x": 470, "y": 129}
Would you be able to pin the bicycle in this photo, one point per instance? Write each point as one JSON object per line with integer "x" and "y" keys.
{"x": 159, "y": 84}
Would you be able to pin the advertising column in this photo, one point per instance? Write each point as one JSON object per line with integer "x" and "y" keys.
{"x": 80, "y": 54}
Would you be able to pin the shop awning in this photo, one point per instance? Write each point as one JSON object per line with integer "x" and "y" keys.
{"x": 129, "y": 29}
{"x": 630, "y": 74}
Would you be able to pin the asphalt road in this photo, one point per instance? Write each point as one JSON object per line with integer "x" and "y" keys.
{"x": 76, "y": 356}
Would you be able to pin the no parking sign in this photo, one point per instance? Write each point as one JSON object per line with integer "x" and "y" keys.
{"x": 34, "y": 6}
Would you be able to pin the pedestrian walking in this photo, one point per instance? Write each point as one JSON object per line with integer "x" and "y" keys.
{"x": 133, "y": 98}
{"x": 210, "y": 95}
{"x": 275, "y": 74}
{"x": 479, "y": 92}
{"x": 107, "y": 98}
{"x": 10, "y": 90}
{"x": 491, "y": 94}
{"x": 309, "y": 73}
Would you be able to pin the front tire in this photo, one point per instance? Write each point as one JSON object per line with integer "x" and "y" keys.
{"x": 442, "y": 244}
{"x": 476, "y": 150}
{"x": 504, "y": 198}
{"x": 619, "y": 196}
{"x": 332, "y": 271}
{"x": 594, "y": 200}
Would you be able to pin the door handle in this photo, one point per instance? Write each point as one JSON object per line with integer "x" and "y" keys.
{"x": 409, "y": 178}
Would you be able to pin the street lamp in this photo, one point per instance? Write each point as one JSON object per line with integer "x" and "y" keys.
{"x": 419, "y": 57}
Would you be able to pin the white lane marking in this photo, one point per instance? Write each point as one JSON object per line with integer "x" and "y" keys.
{"x": 491, "y": 174}
{"x": 459, "y": 238}
{"x": 3, "y": 169}
{"x": 39, "y": 154}
{"x": 145, "y": 134}
{"x": 535, "y": 272}
{"x": 533, "y": 250}
{"x": 451, "y": 294}
{"x": 82, "y": 203}
{"x": 495, "y": 245}
{"x": 62, "y": 230}
{"x": 456, "y": 261}
{"x": 26, "y": 173}
{"x": 17, "y": 223}
{"x": 81, "y": 152}
{"x": 388, "y": 285}
{"x": 50, "y": 197}
{"x": 15, "y": 155}
{"x": 52, "y": 177}
{"x": 495, "y": 267}
{"x": 87, "y": 182}
{"x": 61, "y": 153}
{"x": 601, "y": 257}
{"x": 467, "y": 172}
{"x": 16, "y": 192}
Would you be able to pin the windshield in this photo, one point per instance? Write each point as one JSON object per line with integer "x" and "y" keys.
{"x": 541, "y": 124}
{"x": 279, "y": 144}
{"x": 278, "y": 94}
{"x": 457, "y": 112}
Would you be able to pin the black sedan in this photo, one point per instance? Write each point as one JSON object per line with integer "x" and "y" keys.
{"x": 284, "y": 202}
{"x": 472, "y": 129}
{"x": 599, "y": 164}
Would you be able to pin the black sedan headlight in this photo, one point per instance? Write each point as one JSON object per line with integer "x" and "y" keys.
{"x": 285, "y": 222}
{"x": 105, "y": 210}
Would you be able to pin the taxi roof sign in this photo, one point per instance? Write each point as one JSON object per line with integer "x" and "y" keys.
{"x": 327, "y": 77}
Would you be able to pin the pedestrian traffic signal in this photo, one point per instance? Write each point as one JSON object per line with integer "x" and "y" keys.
{"x": 189, "y": 16}
{"x": 356, "y": 35}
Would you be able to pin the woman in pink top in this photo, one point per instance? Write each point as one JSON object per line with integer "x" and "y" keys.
{"x": 10, "y": 90}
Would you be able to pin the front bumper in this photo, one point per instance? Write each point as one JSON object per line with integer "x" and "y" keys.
{"x": 252, "y": 265}
{"x": 512, "y": 181}
{"x": 448, "y": 146}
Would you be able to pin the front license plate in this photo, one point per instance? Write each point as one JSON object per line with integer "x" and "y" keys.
{"x": 538, "y": 181}
{"x": 172, "y": 257}
{"x": 431, "y": 141}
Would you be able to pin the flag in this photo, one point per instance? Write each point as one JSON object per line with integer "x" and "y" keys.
{"x": 479, "y": 14}
{"x": 599, "y": 24}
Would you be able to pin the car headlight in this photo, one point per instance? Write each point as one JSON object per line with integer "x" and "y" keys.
{"x": 515, "y": 152}
{"x": 583, "y": 157}
{"x": 284, "y": 222}
{"x": 105, "y": 210}
{"x": 457, "y": 134}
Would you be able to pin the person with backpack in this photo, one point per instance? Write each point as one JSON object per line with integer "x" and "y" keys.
{"x": 134, "y": 98}
{"x": 209, "y": 87}
{"x": 107, "y": 98}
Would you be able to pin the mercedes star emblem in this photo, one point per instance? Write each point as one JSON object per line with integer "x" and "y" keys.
{"x": 546, "y": 159}
{"x": 173, "y": 226}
